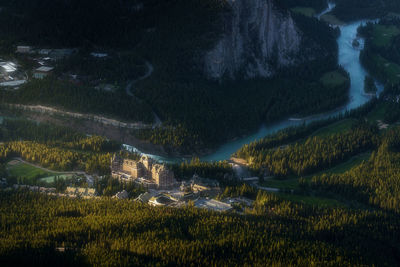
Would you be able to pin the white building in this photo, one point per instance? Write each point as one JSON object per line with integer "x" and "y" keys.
{"x": 8, "y": 67}
{"x": 99, "y": 55}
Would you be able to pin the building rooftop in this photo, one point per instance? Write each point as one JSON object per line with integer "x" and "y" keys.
{"x": 160, "y": 200}
{"x": 45, "y": 69}
{"x": 122, "y": 195}
{"x": 13, "y": 83}
{"x": 212, "y": 204}
{"x": 99, "y": 55}
{"x": 144, "y": 197}
{"x": 8, "y": 66}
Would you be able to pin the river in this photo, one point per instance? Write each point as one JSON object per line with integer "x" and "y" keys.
{"x": 348, "y": 58}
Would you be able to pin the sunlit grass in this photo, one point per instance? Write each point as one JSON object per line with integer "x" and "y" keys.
{"x": 27, "y": 171}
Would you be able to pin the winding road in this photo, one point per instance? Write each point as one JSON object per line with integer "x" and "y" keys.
{"x": 129, "y": 86}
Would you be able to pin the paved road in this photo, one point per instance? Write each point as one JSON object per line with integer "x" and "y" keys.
{"x": 148, "y": 73}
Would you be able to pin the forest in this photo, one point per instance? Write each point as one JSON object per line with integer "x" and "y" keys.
{"x": 298, "y": 133}
{"x": 49, "y": 134}
{"x": 316, "y": 153}
{"x": 68, "y": 96}
{"x": 36, "y": 229}
{"x": 381, "y": 55}
{"x": 55, "y": 147}
{"x": 210, "y": 121}
{"x": 66, "y": 232}
{"x": 221, "y": 171}
{"x": 375, "y": 182}
{"x": 63, "y": 149}
{"x": 274, "y": 231}
{"x": 110, "y": 24}
{"x": 213, "y": 112}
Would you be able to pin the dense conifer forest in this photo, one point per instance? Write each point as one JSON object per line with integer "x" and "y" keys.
{"x": 316, "y": 153}
{"x": 122, "y": 233}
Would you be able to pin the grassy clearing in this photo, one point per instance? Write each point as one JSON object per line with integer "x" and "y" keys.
{"x": 32, "y": 174}
{"x": 331, "y": 19}
{"x": 306, "y": 11}
{"x": 383, "y": 35}
{"x": 26, "y": 171}
{"x": 338, "y": 127}
{"x": 333, "y": 79}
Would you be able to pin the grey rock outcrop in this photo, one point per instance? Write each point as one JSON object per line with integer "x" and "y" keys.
{"x": 257, "y": 38}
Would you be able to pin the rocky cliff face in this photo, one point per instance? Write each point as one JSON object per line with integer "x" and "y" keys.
{"x": 257, "y": 38}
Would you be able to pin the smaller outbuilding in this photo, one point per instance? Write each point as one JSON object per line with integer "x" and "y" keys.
{"x": 144, "y": 197}
{"x": 121, "y": 195}
{"x": 24, "y": 49}
{"x": 99, "y": 55}
{"x": 43, "y": 72}
{"x": 212, "y": 204}
{"x": 160, "y": 200}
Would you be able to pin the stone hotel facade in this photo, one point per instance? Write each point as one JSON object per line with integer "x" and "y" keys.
{"x": 151, "y": 174}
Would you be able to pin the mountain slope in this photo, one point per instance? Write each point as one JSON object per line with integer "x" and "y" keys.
{"x": 256, "y": 37}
